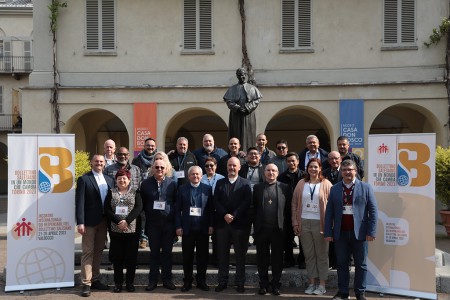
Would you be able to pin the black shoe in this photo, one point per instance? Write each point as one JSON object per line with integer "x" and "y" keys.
{"x": 340, "y": 296}
{"x": 186, "y": 287}
{"x": 276, "y": 291}
{"x": 169, "y": 285}
{"x": 130, "y": 288}
{"x": 202, "y": 286}
{"x": 220, "y": 287}
{"x": 262, "y": 291}
{"x": 240, "y": 289}
{"x": 97, "y": 285}
{"x": 360, "y": 297}
{"x": 151, "y": 286}
{"x": 86, "y": 291}
{"x": 117, "y": 288}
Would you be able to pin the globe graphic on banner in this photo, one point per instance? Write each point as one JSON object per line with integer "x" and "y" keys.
{"x": 40, "y": 265}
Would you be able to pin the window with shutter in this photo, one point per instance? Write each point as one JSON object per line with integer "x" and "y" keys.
{"x": 399, "y": 28}
{"x": 296, "y": 25}
{"x": 101, "y": 26}
{"x": 7, "y": 56}
{"x": 197, "y": 26}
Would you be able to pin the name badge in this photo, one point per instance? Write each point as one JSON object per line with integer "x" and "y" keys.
{"x": 179, "y": 174}
{"x": 348, "y": 210}
{"x": 121, "y": 210}
{"x": 159, "y": 205}
{"x": 195, "y": 211}
{"x": 312, "y": 207}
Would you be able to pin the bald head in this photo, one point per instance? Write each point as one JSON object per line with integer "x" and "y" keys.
{"x": 334, "y": 159}
{"x": 233, "y": 167}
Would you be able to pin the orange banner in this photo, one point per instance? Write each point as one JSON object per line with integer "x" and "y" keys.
{"x": 144, "y": 124}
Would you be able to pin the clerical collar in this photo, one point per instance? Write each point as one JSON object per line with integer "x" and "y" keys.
{"x": 232, "y": 180}
{"x": 349, "y": 185}
{"x": 195, "y": 185}
{"x": 271, "y": 183}
{"x": 293, "y": 172}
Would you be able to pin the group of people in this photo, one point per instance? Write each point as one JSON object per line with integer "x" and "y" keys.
{"x": 272, "y": 196}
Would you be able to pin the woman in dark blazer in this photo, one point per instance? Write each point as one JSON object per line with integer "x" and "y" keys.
{"x": 123, "y": 206}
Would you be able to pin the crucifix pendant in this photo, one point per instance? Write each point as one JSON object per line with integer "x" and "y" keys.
{"x": 270, "y": 201}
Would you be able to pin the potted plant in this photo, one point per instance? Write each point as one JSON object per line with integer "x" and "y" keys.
{"x": 443, "y": 184}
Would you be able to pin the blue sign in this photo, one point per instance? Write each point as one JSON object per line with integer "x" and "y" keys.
{"x": 352, "y": 121}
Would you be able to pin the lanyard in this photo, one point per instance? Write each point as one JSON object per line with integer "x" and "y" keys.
{"x": 347, "y": 196}
{"x": 194, "y": 196}
{"x": 311, "y": 191}
{"x": 250, "y": 175}
{"x": 180, "y": 164}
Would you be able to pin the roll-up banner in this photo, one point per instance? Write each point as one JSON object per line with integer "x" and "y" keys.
{"x": 41, "y": 211}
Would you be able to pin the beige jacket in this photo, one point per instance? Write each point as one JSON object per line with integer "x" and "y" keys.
{"x": 297, "y": 206}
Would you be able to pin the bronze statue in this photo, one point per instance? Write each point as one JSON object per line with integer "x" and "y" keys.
{"x": 242, "y": 99}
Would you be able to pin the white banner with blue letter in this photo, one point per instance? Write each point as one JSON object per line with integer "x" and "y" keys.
{"x": 41, "y": 211}
{"x": 402, "y": 171}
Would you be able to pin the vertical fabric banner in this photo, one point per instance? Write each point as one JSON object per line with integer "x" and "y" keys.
{"x": 402, "y": 171}
{"x": 41, "y": 211}
{"x": 144, "y": 124}
{"x": 351, "y": 114}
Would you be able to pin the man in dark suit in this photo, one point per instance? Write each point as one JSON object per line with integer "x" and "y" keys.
{"x": 351, "y": 222}
{"x": 333, "y": 173}
{"x": 271, "y": 200}
{"x": 312, "y": 150}
{"x": 90, "y": 195}
{"x": 232, "y": 198}
{"x": 194, "y": 222}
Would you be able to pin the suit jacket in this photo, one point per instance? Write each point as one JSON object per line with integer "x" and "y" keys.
{"x": 235, "y": 202}
{"x": 323, "y": 159}
{"x": 88, "y": 202}
{"x": 333, "y": 179}
{"x": 284, "y": 194}
{"x": 149, "y": 194}
{"x": 365, "y": 211}
{"x": 182, "y": 217}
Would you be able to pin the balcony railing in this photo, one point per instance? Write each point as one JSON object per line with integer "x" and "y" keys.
{"x": 16, "y": 64}
{"x": 10, "y": 123}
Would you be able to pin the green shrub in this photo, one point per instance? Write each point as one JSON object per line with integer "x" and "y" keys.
{"x": 443, "y": 175}
{"x": 82, "y": 163}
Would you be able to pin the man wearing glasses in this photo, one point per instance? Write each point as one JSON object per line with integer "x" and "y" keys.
{"x": 351, "y": 222}
{"x": 280, "y": 159}
{"x": 312, "y": 150}
{"x": 159, "y": 194}
{"x": 122, "y": 162}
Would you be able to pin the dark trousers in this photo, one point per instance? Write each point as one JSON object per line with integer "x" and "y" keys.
{"x": 123, "y": 250}
{"x": 160, "y": 235}
{"x": 348, "y": 244}
{"x": 288, "y": 240}
{"x": 239, "y": 238}
{"x": 269, "y": 250}
{"x": 198, "y": 241}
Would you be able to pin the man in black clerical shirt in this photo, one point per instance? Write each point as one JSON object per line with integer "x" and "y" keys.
{"x": 271, "y": 200}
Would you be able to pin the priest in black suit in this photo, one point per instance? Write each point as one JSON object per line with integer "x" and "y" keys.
{"x": 271, "y": 200}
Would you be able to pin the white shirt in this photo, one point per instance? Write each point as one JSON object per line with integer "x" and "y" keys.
{"x": 102, "y": 185}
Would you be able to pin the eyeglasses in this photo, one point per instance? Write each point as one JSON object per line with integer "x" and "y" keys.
{"x": 159, "y": 168}
{"x": 123, "y": 154}
{"x": 281, "y": 148}
{"x": 253, "y": 154}
{"x": 347, "y": 170}
{"x": 209, "y": 166}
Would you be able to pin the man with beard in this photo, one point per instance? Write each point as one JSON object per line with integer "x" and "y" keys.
{"x": 123, "y": 156}
{"x": 343, "y": 148}
{"x": 145, "y": 157}
{"x": 208, "y": 149}
{"x": 280, "y": 159}
{"x": 181, "y": 160}
{"x": 232, "y": 199}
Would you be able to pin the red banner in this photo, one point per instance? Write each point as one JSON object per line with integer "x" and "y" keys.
{"x": 144, "y": 124}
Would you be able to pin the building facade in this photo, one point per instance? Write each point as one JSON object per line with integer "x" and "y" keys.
{"x": 306, "y": 55}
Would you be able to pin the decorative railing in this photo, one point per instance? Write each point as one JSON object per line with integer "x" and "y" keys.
{"x": 10, "y": 123}
{"x": 16, "y": 64}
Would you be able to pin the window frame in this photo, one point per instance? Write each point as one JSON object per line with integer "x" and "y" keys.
{"x": 99, "y": 24}
{"x": 400, "y": 28}
{"x": 198, "y": 30}
{"x": 1, "y": 99}
{"x": 296, "y": 28}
